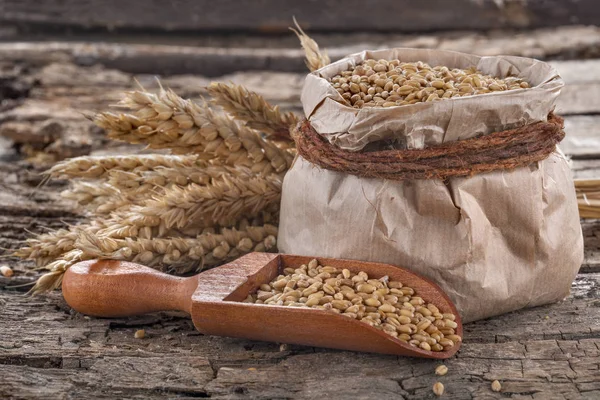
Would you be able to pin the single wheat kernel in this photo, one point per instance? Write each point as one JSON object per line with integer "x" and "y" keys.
{"x": 438, "y": 388}
{"x": 496, "y": 386}
{"x": 140, "y": 334}
{"x": 441, "y": 370}
{"x": 6, "y": 271}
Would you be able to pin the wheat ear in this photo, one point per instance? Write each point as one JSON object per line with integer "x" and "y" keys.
{"x": 253, "y": 110}
{"x": 45, "y": 248}
{"x": 315, "y": 59}
{"x": 90, "y": 167}
{"x": 222, "y": 202}
{"x": 179, "y": 255}
{"x": 168, "y": 121}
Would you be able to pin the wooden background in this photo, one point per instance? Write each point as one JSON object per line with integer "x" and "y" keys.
{"x": 330, "y": 15}
{"x": 61, "y": 58}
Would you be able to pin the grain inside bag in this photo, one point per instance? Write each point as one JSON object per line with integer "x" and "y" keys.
{"x": 498, "y": 229}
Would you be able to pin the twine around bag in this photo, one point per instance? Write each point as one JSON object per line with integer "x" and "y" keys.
{"x": 502, "y": 150}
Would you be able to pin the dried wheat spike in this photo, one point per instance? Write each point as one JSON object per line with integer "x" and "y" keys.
{"x": 253, "y": 110}
{"x": 168, "y": 121}
{"x": 222, "y": 202}
{"x": 162, "y": 177}
{"x": 53, "y": 279}
{"x": 97, "y": 167}
{"x": 102, "y": 198}
{"x": 48, "y": 247}
{"x": 314, "y": 58}
{"x": 588, "y": 197}
{"x": 178, "y": 254}
{"x": 265, "y": 156}
{"x": 85, "y": 193}
{"x": 45, "y": 248}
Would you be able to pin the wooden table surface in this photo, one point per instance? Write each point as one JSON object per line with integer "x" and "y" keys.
{"x": 48, "y": 351}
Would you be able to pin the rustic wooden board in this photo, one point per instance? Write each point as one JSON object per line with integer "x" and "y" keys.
{"x": 212, "y": 55}
{"x": 48, "y": 351}
{"x": 549, "y": 352}
{"x": 583, "y": 136}
{"x": 275, "y": 16}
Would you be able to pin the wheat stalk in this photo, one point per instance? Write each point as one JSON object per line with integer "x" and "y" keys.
{"x": 163, "y": 177}
{"x": 169, "y": 211}
{"x": 253, "y": 110}
{"x": 102, "y": 198}
{"x": 314, "y": 58}
{"x": 53, "y": 279}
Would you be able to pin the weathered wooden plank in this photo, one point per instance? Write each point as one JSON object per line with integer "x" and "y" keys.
{"x": 578, "y": 71}
{"x": 582, "y": 138}
{"x": 212, "y": 56}
{"x": 109, "y": 377}
{"x": 275, "y": 16}
{"x": 586, "y": 169}
{"x": 579, "y": 98}
{"x": 49, "y": 351}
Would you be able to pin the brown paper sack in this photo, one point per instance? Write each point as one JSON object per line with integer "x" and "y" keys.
{"x": 494, "y": 242}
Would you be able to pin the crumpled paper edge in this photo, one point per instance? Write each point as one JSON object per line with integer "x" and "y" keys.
{"x": 425, "y": 124}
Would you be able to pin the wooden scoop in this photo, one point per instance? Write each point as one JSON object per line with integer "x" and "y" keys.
{"x": 214, "y": 299}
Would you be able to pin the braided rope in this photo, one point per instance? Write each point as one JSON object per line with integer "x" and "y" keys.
{"x": 497, "y": 151}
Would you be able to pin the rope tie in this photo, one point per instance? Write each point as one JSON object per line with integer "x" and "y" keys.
{"x": 497, "y": 151}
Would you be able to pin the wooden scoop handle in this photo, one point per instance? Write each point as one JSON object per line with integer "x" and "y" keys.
{"x": 108, "y": 288}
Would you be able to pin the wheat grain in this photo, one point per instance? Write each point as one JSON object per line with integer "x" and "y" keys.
{"x": 496, "y": 386}
{"x": 315, "y": 59}
{"x": 441, "y": 370}
{"x": 384, "y": 83}
{"x": 383, "y": 304}
{"x": 139, "y": 334}
{"x": 253, "y": 110}
{"x": 6, "y": 271}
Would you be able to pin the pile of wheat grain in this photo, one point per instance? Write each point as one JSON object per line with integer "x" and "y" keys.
{"x": 391, "y": 83}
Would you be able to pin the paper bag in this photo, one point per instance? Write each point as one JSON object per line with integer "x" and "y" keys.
{"x": 494, "y": 242}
